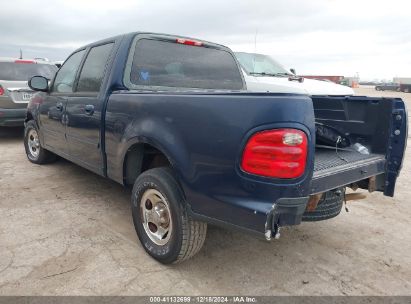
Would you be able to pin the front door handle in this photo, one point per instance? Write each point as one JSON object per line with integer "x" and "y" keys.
{"x": 59, "y": 106}
{"x": 89, "y": 109}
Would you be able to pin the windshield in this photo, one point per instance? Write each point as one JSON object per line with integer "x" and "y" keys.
{"x": 24, "y": 71}
{"x": 258, "y": 64}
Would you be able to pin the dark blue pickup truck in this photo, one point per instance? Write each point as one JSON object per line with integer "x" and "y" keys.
{"x": 171, "y": 117}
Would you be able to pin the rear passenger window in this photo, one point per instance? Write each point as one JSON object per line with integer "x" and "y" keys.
{"x": 92, "y": 73}
{"x": 169, "y": 64}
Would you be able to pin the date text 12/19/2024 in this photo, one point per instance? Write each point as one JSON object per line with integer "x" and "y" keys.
{"x": 204, "y": 299}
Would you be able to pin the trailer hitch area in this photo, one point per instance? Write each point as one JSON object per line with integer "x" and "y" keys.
{"x": 372, "y": 184}
{"x": 313, "y": 201}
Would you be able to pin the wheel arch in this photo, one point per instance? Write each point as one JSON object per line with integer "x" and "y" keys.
{"x": 29, "y": 116}
{"x": 142, "y": 154}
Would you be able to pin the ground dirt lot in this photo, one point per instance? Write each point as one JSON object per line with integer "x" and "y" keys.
{"x": 66, "y": 231}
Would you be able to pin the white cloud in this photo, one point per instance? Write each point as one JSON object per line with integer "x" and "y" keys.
{"x": 316, "y": 37}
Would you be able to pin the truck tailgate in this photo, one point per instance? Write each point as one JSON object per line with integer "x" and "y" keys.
{"x": 379, "y": 124}
{"x": 333, "y": 169}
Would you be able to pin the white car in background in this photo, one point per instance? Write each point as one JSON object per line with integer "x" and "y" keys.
{"x": 263, "y": 74}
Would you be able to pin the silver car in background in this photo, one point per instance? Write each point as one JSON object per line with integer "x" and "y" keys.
{"x": 14, "y": 91}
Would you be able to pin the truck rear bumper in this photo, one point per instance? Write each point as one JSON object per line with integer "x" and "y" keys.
{"x": 264, "y": 217}
{"x": 264, "y": 223}
{"x": 285, "y": 212}
{"x": 12, "y": 117}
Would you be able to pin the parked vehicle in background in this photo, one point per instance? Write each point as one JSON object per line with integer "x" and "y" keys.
{"x": 14, "y": 90}
{"x": 369, "y": 83}
{"x": 405, "y": 84}
{"x": 263, "y": 73}
{"x": 170, "y": 117}
{"x": 389, "y": 86}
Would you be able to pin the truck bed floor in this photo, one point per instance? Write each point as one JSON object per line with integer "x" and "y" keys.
{"x": 327, "y": 161}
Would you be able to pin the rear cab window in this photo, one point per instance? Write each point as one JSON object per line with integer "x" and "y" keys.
{"x": 165, "y": 64}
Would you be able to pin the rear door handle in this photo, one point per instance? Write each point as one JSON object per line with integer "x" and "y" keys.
{"x": 59, "y": 106}
{"x": 89, "y": 109}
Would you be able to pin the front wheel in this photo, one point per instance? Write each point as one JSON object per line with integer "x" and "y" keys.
{"x": 34, "y": 151}
{"x": 165, "y": 229}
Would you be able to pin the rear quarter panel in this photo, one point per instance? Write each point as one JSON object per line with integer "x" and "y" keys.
{"x": 203, "y": 136}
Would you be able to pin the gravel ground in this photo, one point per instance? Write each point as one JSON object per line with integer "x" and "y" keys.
{"x": 66, "y": 231}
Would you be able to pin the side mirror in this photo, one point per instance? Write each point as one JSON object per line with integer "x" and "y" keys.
{"x": 292, "y": 70}
{"x": 39, "y": 83}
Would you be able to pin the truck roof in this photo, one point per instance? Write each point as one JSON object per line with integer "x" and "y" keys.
{"x": 159, "y": 35}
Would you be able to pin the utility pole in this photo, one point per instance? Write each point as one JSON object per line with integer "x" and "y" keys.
{"x": 21, "y": 54}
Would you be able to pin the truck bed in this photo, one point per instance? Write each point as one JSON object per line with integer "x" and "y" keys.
{"x": 332, "y": 169}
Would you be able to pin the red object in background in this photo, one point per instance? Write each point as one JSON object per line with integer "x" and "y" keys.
{"x": 278, "y": 153}
{"x": 1, "y": 90}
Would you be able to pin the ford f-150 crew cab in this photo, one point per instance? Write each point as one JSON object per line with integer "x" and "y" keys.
{"x": 170, "y": 117}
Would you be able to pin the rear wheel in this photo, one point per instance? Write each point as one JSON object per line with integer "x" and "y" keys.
{"x": 34, "y": 151}
{"x": 165, "y": 229}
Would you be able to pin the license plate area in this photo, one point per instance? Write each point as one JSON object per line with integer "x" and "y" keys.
{"x": 21, "y": 97}
{"x": 26, "y": 96}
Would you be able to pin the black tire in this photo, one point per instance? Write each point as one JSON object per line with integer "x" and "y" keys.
{"x": 186, "y": 235}
{"x": 377, "y": 88}
{"x": 328, "y": 207}
{"x": 42, "y": 156}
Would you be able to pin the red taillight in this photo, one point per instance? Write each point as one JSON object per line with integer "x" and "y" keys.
{"x": 189, "y": 42}
{"x": 279, "y": 153}
{"x": 23, "y": 61}
{"x": 1, "y": 90}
